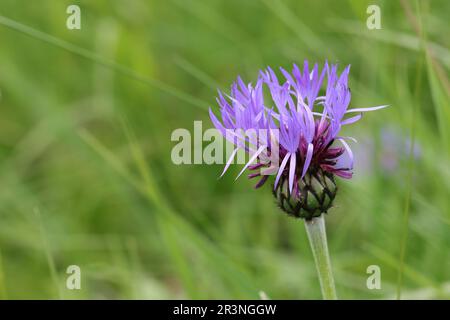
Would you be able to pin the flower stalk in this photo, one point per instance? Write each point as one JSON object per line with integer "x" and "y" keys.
{"x": 315, "y": 228}
{"x": 302, "y": 115}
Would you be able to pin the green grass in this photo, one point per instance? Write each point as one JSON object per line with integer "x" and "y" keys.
{"x": 85, "y": 141}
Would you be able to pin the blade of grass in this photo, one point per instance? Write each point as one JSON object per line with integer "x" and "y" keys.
{"x": 411, "y": 162}
{"x": 110, "y": 158}
{"x": 168, "y": 233}
{"x": 438, "y": 79}
{"x": 223, "y": 26}
{"x": 200, "y": 75}
{"x": 171, "y": 223}
{"x": 392, "y": 37}
{"x": 441, "y": 103}
{"x": 302, "y": 31}
{"x": 214, "y": 19}
{"x": 414, "y": 275}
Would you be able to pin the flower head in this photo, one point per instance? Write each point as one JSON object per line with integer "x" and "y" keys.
{"x": 306, "y": 125}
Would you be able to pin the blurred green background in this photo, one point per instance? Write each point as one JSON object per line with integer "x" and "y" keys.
{"x": 86, "y": 176}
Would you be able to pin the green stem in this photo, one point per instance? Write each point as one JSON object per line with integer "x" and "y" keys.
{"x": 317, "y": 236}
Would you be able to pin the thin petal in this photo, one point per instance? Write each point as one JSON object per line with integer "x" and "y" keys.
{"x": 352, "y": 119}
{"x": 349, "y": 151}
{"x": 288, "y": 77}
{"x": 216, "y": 122}
{"x": 343, "y": 174}
{"x": 347, "y": 138}
{"x": 229, "y": 162}
{"x": 261, "y": 149}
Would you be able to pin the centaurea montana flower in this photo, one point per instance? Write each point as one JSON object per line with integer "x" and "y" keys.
{"x": 308, "y": 126}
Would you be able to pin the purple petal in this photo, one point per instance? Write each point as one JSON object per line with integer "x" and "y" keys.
{"x": 261, "y": 182}
{"x": 351, "y": 120}
{"x": 343, "y": 174}
{"x": 308, "y": 158}
{"x": 216, "y": 122}
{"x": 367, "y": 109}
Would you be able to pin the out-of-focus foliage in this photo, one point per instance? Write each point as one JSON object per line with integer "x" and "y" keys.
{"x": 86, "y": 176}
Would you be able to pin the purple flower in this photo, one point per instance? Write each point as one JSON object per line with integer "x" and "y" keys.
{"x": 306, "y": 120}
